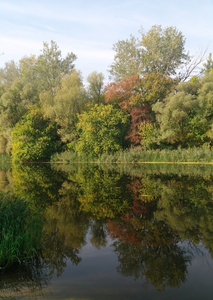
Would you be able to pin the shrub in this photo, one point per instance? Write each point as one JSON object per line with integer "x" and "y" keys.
{"x": 101, "y": 130}
{"x": 34, "y": 138}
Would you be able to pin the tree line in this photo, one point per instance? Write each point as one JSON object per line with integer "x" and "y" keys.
{"x": 153, "y": 100}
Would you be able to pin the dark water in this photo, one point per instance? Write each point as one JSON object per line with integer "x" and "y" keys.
{"x": 121, "y": 232}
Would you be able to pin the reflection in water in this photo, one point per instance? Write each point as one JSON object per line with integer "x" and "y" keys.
{"x": 29, "y": 279}
{"x": 148, "y": 219}
{"x": 164, "y": 267}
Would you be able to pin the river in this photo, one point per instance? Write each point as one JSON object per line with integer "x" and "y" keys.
{"x": 114, "y": 232}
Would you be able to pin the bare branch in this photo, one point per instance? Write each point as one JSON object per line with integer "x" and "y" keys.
{"x": 193, "y": 66}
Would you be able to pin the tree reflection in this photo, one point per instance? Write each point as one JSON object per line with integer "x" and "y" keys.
{"x": 162, "y": 266}
{"x": 65, "y": 226}
{"x": 149, "y": 248}
{"x": 65, "y": 230}
{"x": 36, "y": 183}
{"x": 186, "y": 204}
{"x": 99, "y": 234}
{"x": 165, "y": 210}
{"x": 148, "y": 218}
{"x": 102, "y": 194}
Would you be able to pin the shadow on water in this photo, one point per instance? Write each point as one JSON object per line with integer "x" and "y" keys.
{"x": 153, "y": 219}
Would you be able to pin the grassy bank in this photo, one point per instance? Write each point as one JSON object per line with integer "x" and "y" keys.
{"x": 136, "y": 155}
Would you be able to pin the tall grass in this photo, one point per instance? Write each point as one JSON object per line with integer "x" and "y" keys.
{"x": 136, "y": 155}
{"x": 174, "y": 156}
{"x": 69, "y": 156}
{"x": 20, "y": 231}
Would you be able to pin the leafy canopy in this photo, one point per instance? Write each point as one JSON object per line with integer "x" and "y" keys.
{"x": 95, "y": 87}
{"x": 64, "y": 106}
{"x": 101, "y": 130}
{"x": 51, "y": 66}
{"x": 159, "y": 50}
{"x": 34, "y": 138}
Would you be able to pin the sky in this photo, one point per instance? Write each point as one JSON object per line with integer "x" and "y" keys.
{"x": 89, "y": 28}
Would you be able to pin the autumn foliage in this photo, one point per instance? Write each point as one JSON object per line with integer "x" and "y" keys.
{"x": 136, "y": 95}
{"x": 122, "y": 91}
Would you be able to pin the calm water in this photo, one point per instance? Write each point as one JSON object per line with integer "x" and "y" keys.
{"x": 120, "y": 232}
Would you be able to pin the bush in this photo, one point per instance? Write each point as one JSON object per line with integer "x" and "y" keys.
{"x": 101, "y": 130}
{"x": 34, "y": 138}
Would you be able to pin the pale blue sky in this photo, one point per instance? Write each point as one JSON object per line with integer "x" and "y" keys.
{"x": 89, "y": 28}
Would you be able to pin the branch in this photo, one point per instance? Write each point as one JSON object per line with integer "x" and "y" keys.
{"x": 192, "y": 66}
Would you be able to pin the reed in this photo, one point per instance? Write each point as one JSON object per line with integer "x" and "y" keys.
{"x": 166, "y": 155}
{"x": 68, "y": 157}
{"x": 20, "y": 231}
{"x": 137, "y": 155}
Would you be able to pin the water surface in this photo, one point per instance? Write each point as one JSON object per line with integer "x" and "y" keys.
{"x": 115, "y": 233}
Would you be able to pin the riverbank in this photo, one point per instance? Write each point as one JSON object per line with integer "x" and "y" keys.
{"x": 137, "y": 155}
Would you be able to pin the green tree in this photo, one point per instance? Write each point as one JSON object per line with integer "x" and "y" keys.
{"x": 29, "y": 79}
{"x": 205, "y": 98}
{"x": 101, "y": 130}
{"x": 208, "y": 65}
{"x": 163, "y": 50}
{"x": 11, "y": 106}
{"x": 152, "y": 87}
{"x": 20, "y": 86}
{"x": 67, "y": 102}
{"x": 95, "y": 87}
{"x": 9, "y": 73}
{"x": 159, "y": 50}
{"x": 19, "y": 91}
{"x": 179, "y": 121}
{"x": 51, "y": 66}
{"x": 147, "y": 131}
{"x": 183, "y": 118}
{"x": 190, "y": 87}
{"x": 127, "y": 59}
{"x": 35, "y": 138}
{"x": 205, "y": 95}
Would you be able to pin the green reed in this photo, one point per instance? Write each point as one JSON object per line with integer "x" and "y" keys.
{"x": 165, "y": 155}
{"x": 137, "y": 155}
{"x": 69, "y": 156}
{"x": 20, "y": 231}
